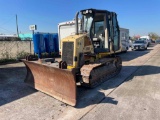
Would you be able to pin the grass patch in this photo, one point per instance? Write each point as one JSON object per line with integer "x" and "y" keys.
{"x": 7, "y": 61}
{"x": 22, "y": 55}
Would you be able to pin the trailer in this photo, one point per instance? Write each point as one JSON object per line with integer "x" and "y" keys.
{"x": 124, "y": 39}
{"x": 66, "y": 29}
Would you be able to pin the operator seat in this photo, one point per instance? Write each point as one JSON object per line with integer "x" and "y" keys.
{"x": 99, "y": 36}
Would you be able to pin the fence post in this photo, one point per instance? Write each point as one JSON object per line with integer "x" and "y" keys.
{"x": 30, "y": 46}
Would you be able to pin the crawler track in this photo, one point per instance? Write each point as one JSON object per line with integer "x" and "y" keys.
{"x": 99, "y": 72}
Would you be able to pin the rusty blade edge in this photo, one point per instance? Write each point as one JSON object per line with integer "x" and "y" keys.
{"x": 71, "y": 100}
{"x": 58, "y": 96}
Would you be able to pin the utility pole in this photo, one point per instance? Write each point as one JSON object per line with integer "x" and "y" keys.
{"x": 17, "y": 25}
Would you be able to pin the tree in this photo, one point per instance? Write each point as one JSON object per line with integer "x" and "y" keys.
{"x": 153, "y": 36}
{"x": 135, "y": 37}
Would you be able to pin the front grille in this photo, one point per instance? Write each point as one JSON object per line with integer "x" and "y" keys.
{"x": 136, "y": 46}
{"x": 67, "y": 52}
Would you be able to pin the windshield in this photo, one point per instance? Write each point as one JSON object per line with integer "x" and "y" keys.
{"x": 87, "y": 22}
{"x": 142, "y": 39}
{"x": 139, "y": 41}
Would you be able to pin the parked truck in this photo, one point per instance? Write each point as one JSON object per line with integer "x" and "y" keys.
{"x": 147, "y": 39}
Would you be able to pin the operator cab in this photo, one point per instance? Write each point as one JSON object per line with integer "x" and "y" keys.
{"x": 102, "y": 27}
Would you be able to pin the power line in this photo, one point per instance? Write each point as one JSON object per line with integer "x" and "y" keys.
{"x": 6, "y": 30}
{"x": 6, "y": 23}
{"x": 7, "y": 20}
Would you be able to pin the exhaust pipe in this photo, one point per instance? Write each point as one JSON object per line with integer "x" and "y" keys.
{"x": 76, "y": 23}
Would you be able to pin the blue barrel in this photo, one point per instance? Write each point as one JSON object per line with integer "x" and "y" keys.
{"x": 56, "y": 42}
{"x": 49, "y": 43}
{"x": 39, "y": 44}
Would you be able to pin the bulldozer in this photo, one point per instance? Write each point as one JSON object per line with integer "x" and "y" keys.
{"x": 88, "y": 58}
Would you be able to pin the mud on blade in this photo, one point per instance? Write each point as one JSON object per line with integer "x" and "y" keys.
{"x": 59, "y": 83}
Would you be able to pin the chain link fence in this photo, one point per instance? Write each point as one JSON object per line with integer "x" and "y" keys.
{"x": 15, "y": 49}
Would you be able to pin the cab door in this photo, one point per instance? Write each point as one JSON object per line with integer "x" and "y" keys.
{"x": 115, "y": 32}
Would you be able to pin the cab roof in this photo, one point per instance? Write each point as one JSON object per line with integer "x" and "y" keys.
{"x": 97, "y": 10}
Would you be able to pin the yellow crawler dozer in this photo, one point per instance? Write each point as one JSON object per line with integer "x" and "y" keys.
{"x": 88, "y": 57}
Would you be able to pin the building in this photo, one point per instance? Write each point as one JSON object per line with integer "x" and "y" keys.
{"x": 26, "y": 36}
{"x": 8, "y": 37}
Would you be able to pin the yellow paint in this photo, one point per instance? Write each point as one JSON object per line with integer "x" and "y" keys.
{"x": 78, "y": 41}
{"x": 70, "y": 67}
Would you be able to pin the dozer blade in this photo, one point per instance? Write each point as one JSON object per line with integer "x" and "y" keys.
{"x": 59, "y": 83}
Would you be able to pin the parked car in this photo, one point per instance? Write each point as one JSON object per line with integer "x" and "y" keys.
{"x": 139, "y": 44}
{"x": 147, "y": 40}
